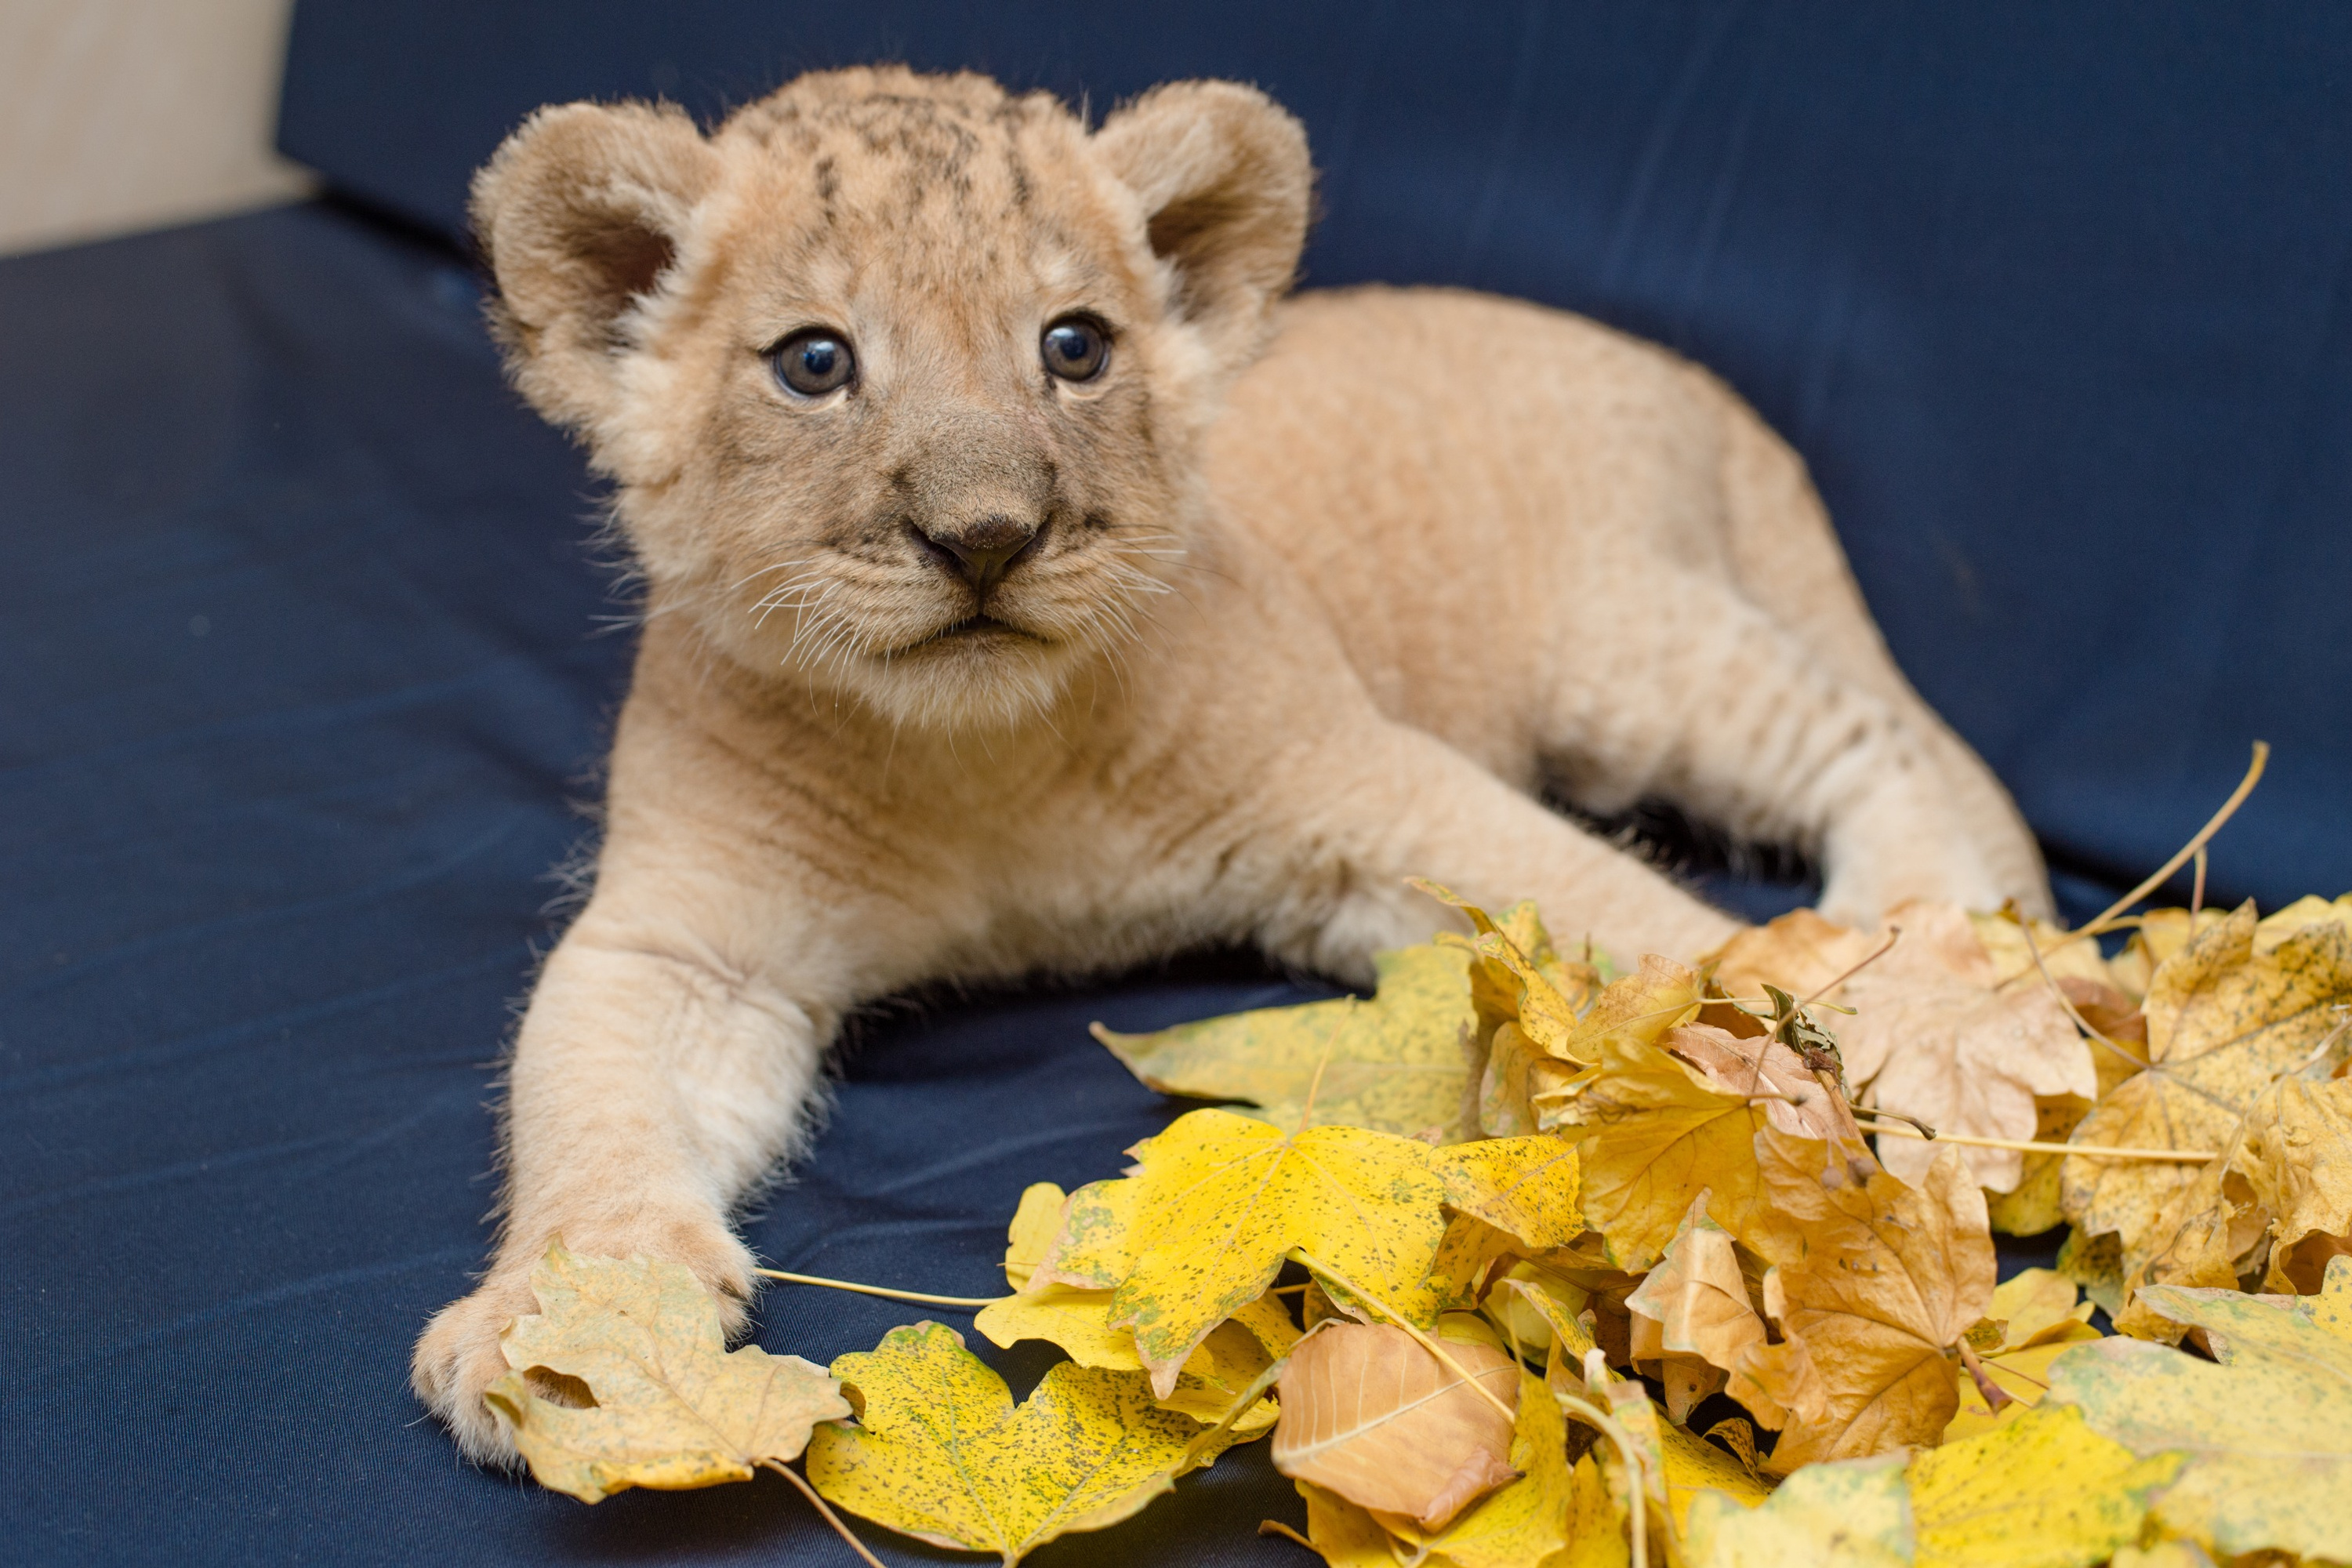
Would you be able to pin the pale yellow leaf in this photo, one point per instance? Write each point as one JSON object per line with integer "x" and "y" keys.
{"x": 673, "y": 1407}
{"x": 1855, "y": 1513}
{"x": 1399, "y": 1062}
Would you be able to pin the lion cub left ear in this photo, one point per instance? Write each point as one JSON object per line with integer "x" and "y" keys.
{"x": 1224, "y": 179}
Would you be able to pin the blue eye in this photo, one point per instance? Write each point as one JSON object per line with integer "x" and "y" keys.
{"x": 1075, "y": 349}
{"x": 814, "y": 361}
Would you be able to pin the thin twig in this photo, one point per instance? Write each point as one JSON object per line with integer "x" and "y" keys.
{"x": 2197, "y": 887}
{"x": 2033, "y": 1146}
{"x": 1893, "y": 935}
{"x": 1398, "y": 1319}
{"x": 2035, "y": 948}
{"x": 917, "y": 1296}
{"x": 2204, "y": 836}
{"x": 840, "y": 1527}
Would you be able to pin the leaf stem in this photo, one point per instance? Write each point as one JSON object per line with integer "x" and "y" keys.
{"x": 1636, "y": 1473}
{"x": 2033, "y": 1146}
{"x": 1397, "y": 1317}
{"x": 883, "y": 1292}
{"x": 1276, "y": 1526}
{"x": 831, "y": 1518}
{"x": 1994, "y": 1395}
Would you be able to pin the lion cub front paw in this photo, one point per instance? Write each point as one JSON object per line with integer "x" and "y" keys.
{"x": 461, "y": 1351}
{"x": 458, "y": 1356}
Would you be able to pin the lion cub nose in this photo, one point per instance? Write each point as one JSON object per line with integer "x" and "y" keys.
{"x": 982, "y": 551}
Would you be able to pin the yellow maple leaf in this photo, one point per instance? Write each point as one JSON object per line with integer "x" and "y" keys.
{"x": 1855, "y": 1513}
{"x": 672, "y": 1407}
{"x": 2041, "y": 1491}
{"x": 2037, "y": 1318}
{"x": 1401, "y": 1062}
{"x": 2226, "y": 1017}
{"x": 1215, "y": 1203}
{"x": 1651, "y": 1129}
{"x": 1525, "y": 1186}
{"x": 1226, "y": 1361}
{"x": 1872, "y": 1282}
{"x": 2267, "y": 1431}
{"x": 940, "y": 1452}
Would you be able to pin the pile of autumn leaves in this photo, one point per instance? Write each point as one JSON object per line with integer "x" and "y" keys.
{"x": 1603, "y": 1271}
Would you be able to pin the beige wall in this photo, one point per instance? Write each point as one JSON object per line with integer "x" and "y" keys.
{"x": 118, "y": 115}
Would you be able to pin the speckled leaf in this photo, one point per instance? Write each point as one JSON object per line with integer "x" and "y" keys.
{"x": 2041, "y": 1491}
{"x": 940, "y": 1451}
{"x": 1525, "y": 1186}
{"x": 674, "y": 1407}
{"x": 1218, "y": 1200}
{"x": 2267, "y": 1432}
{"x": 1853, "y": 1514}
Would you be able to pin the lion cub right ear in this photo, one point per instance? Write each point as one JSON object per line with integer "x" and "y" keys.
{"x": 581, "y": 213}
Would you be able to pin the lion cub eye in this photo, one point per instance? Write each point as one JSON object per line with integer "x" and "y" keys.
{"x": 814, "y": 361}
{"x": 1075, "y": 349}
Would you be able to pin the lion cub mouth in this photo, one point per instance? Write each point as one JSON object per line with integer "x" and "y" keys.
{"x": 978, "y": 628}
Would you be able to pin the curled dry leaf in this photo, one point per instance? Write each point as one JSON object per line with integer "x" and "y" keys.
{"x": 1692, "y": 1313}
{"x": 940, "y": 1452}
{"x": 1528, "y": 1519}
{"x": 2227, "y": 1015}
{"x": 1936, "y": 1034}
{"x": 672, "y": 1406}
{"x": 2297, "y": 1154}
{"x": 1871, "y": 1281}
{"x": 1369, "y": 1415}
{"x": 1215, "y": 1203}
{"x": 1400, "y": 1063}
{"x": 2267, "y": 1431}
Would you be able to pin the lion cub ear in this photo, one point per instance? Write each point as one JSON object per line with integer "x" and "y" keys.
{"x": 580, "y": 214}
{"x": 1224, "y": 179}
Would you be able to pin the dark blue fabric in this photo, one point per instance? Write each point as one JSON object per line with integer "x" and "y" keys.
{"x": 299, "y": 682}
{"x": 2055, "y": 297}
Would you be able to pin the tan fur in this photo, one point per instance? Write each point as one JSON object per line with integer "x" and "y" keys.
{"x": 1298, "y": 621}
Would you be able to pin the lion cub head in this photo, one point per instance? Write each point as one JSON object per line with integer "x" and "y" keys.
{"x": 900, "y": 380}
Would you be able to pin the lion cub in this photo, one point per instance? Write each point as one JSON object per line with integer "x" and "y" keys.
{"x": 1030, "y": 588}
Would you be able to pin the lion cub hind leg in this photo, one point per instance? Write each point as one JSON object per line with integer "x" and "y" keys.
{"x": 1376, "y": 802}
{"x": 1787, "y": 559}
{"x": 1698, "y": 694}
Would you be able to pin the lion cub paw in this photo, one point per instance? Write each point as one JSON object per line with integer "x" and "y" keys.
{"x": 461, "y": 1351}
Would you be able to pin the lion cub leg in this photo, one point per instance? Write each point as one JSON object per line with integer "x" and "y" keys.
{"x": 649, "y": 1090}
{"x": 1698, "y": 694}
{"x": 1367, "y": 806}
